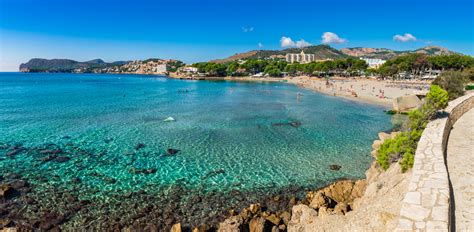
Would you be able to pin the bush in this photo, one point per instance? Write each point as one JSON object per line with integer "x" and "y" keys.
{"x": 469, "y": 73}
{"x": 453, "y": 82}
{"x": 403, "y": 146}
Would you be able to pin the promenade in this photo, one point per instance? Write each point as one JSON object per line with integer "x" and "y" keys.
{"x": 460, "y": 161}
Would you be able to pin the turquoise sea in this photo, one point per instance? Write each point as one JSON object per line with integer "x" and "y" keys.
{"x": 99, "y": 142}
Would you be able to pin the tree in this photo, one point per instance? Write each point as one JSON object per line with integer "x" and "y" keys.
{"x": 452, "y": 81}
{"x": 273, "y": 71}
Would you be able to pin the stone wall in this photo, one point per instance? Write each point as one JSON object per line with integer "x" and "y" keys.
{"x": 426, "y": 205}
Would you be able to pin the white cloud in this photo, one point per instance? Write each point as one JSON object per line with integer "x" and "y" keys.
{"x": 287, "y": 42}
{"x": 404, "y": 38}
{"x": 247, "y": 29}
{"x": 332, "y": 38}
{"x": 260, "y": 45}
{"x": 302, "y": 43}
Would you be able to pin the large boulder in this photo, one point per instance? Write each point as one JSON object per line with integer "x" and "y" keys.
{"x": 176, "y": 228}
{"x": 257, "y": 224}
{"x": 301, "y": 216}
{"x": 231, "y": 224}
{"x": 406, "y": 103}
{"x": 319, "y": 200}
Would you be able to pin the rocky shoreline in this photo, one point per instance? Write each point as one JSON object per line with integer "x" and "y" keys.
{"x": 344, "y": 197}
{"x": 30, "y": 201}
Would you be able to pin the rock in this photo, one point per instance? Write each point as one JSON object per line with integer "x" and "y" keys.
{"x": 274, "y": 219}
{"x": 62, "y": 159}
{"x": 171, "y": 151}
{"x": 358, "y": 189}
{"x": 15, "y": 152}
{"x": 109, "y": 180}
{"x": 320, "y": 200}
{"x": 406, "y": 103}
{"x": 51, "y": 152}
{"x": 6, "y": 191}
{"x": 76, "y": 180}
{"x": 231, "y": 224}
{"x": 383, "y": 136}
{"x": 376, "y": 144}
{"x": 134, "y": 170}
{"x": 245, "y": 214}
{"x": 373, "y": 172}
{"x": 341, "y": 208}
{"x": 292, "y": 201}
{"x": 282, "y": 227}
{"x": 335, "y": 167}
{"x": 301, "y": 215}
{"x": 257, "y": 224}
{"x": 254, "y": 208}
{"x": 213, "y": 173}
{"x": 150, "y": 170}
{"x": 295, "y": 124}
{"x": 139, "y": 146}
{"x": 176, "y": 228}
{"x": 285, "y": 216}
{"x": 323, "y": 211}
{"x": 275, "y": 229}
{"x": 339, "y": 191}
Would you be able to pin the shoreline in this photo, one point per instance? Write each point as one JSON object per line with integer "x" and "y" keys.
{"x": 358, "y": 89}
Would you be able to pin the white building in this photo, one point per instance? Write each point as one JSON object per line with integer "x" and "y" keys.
{"x": 300, "y": 58}
{"x": 161, "y": 68}
{"x": 188, "y": 69}
{"x": 373, "y": 63}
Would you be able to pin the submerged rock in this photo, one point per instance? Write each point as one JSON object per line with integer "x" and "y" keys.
{"x": 48, "y": 158}
{"x": 295, "y": 124}
{"x": 172, "y": 151}
{"x": 134, "y": 170}
{"x": 213, "y": 173}
{"x": 335, "y": 167}
{"x": 109, "y": 180}
{"x": 61, "y": 159}
{"x": 51, "y": 151}
{"x": 76, "y": 180}
{"x": 6, "y": 191}
{"x": 15, "y": 151}
{"x": 139, "y": 146}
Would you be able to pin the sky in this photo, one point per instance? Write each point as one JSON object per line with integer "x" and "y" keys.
{"x": 194, "y": 31}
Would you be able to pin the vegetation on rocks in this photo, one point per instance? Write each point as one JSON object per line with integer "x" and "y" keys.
{"x": 402, "y": 147}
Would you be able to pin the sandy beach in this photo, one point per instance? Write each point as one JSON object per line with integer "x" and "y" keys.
{"x": 379, "y": 92}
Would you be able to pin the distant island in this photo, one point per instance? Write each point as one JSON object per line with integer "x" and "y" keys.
{"x": 149, "y": 66}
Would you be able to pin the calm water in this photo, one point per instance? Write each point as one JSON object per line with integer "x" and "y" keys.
{"x": 230, "y": 135}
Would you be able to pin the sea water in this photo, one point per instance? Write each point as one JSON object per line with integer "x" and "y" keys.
{"x": 230, "y": 136}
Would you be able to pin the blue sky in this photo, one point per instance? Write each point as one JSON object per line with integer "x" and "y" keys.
{"x": 202, "y": 30}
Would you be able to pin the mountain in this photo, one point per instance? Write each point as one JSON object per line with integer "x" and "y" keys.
{"x": 61, "y": 65}
{"x": 385, "y": 54}
{"x": 320, "y": 51}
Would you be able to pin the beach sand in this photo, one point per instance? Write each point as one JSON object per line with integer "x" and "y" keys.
{"x": 380, "y": 92}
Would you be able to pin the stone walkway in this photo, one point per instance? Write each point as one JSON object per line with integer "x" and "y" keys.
{"x": 460, "y": 161}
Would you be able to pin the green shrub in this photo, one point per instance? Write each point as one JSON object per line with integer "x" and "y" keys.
{"x": 453, "y": 82}
{"x": 407, "y": 161}
{"x": 403, "y": 146}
